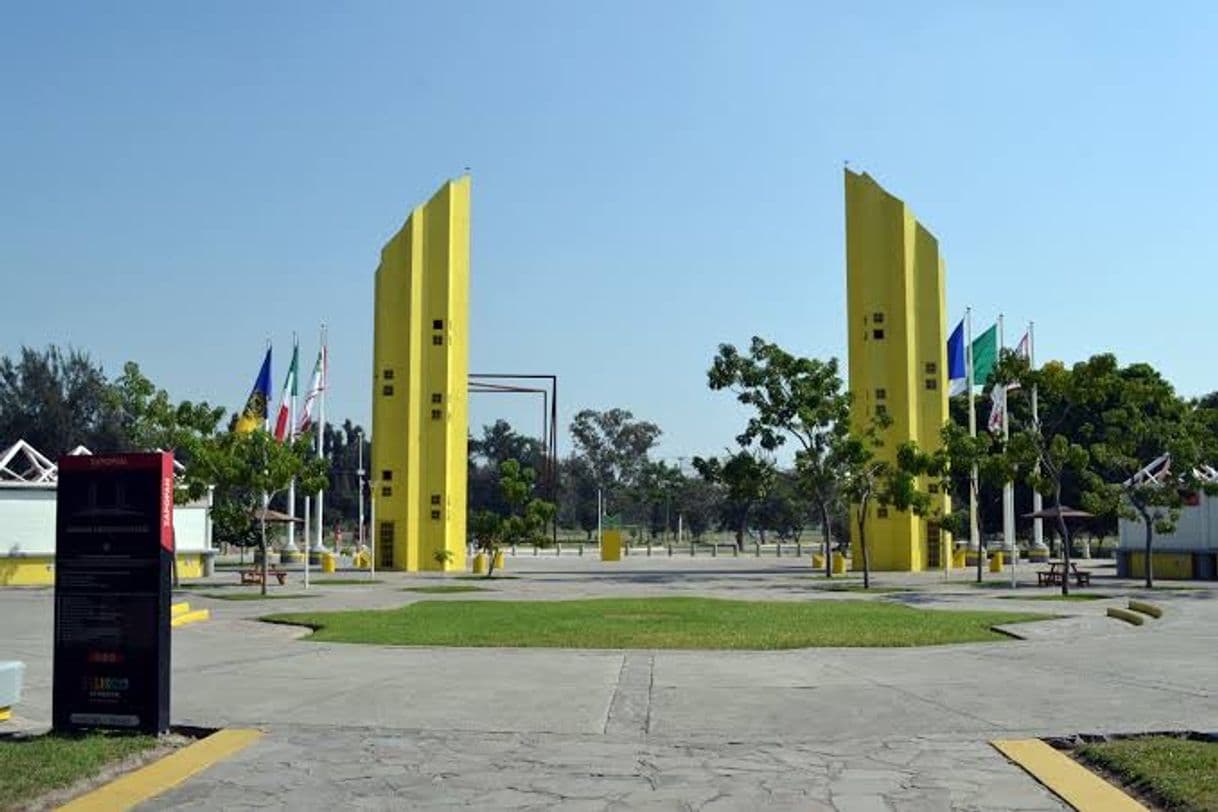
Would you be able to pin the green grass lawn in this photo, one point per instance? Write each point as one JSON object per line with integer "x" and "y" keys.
{"x": 1181, "y": 774}
{"x": 494, "y": 577}
{"x": 441, "y": 589}
{"x": 33, "y": 766}
{"x": 257, "y": 596}
{"x": 697, "y": 623}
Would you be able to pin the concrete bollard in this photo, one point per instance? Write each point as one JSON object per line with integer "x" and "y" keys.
{"x": 778, "y": 550}
{"x": 715, "y": 550}
{"x": 757, "y": 549}
{"x": 691, "y": 550}
{"x": 513, "y": 548}
{"x": 558, "y": 548}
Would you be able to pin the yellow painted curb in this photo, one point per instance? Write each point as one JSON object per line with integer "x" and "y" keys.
{"x": 179, "y": 609}
{"x": 1065, "y": 777}
{"x": 196, "y": 616}
{"x": 161, "y": 776}
{"x": 6, "y": 714}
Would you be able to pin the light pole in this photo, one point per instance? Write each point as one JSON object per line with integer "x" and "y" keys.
{"x": 372, "y": 538}
{"x": 359, "y": 472}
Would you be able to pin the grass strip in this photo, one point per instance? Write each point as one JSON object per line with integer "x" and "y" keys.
{"x": 30, "y": 767}
{"x": 1177, "y": 773}
{"x": 660, "y": 623}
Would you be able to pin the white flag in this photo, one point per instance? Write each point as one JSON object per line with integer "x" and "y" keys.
{"x": 998, "y": 399}
{"x": 1023, "y": 348}
{"x": 318, "y": 384}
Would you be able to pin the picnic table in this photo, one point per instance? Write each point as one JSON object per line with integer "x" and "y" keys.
{"x": 254, "y": 576}
{"x": 1057, "y": 571}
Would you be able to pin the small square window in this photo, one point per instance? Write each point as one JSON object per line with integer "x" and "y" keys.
{"x": 931, "y": 367}
{"x": 386, "y": 475}
{"x": 435, "y": 498}
{"x": 435, "y": 514}
{"x": 881, "y": 409}
{"x": 436, "y": 397}
{"x": 387, "y": 375}
{"x": 877, "y": 335}
{"x": 437, "y": 340}
{"x": 881, "y": 394}
{"x": 437, "y": 414}
{"x": 437, "y": 324}
{"x": 933, "y": 487}
{"x": 386, "y": 490}
{"x": 881, "y": 513}
{"x": 931, "y": 383}
{"x": 877, "y": 318}
{"x": 387, "y": 389}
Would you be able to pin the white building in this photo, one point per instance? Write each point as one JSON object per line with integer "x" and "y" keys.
{"x": 1189, "y": 552}
{"x": 27, "y": 521}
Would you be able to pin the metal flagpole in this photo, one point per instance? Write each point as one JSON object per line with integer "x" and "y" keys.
{"x": 321, "y": 435}
{"x": 292, "y": 439}
{"x": 973, "y": 534}
{"x": 373, "y": 534}
{"x": 1038, "y": 525}
{"x": 1008, "y": 488}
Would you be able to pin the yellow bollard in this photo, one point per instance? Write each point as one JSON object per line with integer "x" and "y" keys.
{"x": 499, "y": 559}
{"x": 960, "y": 559}
{"x": 328, "y": 564}
{"x": 839, "y": 564}
{"x": 480, "y": 564}
{"x": 818, "y": 561}
{"x": 996, "y": 561}
{"x": 611, "y": 545}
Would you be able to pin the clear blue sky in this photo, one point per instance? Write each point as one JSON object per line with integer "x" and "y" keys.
{"x": 180, "y": 180}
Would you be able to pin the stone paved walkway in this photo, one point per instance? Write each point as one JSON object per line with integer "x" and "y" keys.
{"x": 373, "y": 727}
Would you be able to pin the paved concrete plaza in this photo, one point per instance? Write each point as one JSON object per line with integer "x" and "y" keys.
{"x": 375, "y": 727}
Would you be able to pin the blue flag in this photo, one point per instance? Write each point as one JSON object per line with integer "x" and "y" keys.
{"x": 253, "y": 416}
{"x": 955, "y": 355}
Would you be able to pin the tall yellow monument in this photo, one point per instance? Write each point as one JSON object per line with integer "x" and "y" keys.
{"x": 420, "y": 417}
{"x": 898, "y": 357}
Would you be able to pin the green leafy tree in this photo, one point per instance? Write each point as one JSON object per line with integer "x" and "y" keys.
{"x": 797, "y": 399}
{"x": 242, "y": 467}
{"x": 746, "y": 479}
{"x": 1138, "y": 419}
{"x": 56, "y": 400}
{"x": 525, "y": 519}
{"x": 615, "y": 447}
{"x": 867, "y": 478}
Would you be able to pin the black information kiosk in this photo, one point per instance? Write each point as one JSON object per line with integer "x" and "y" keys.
{"x": 113, "y": 567}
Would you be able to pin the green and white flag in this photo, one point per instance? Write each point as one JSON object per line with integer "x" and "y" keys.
{"x": 985, "y": 355}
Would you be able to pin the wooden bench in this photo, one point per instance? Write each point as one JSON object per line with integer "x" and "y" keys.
{"x": 254, "y": 576}
{"x": 1057, "y": 570}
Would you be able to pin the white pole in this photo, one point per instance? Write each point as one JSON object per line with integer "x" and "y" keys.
{"x": 321, "y": 434}
{"x": 680, "y": 526}
{"x": 306, "y": 528}
{"x": 1038, "y": 525}
{"x": 372, "y": 538}
{"x": 599, "y": 511}
{"x": 974, "y": 534}
{"x": 291, "y": 438}
{"x": 1008, "y": 488}
{"x": 359, "y": 472}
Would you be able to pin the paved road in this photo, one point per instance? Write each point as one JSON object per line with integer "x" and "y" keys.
{"x": 384, "y": 727}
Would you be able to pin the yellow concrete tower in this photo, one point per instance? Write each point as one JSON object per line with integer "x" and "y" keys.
{"x": 420, "y": 419}
{"x": 898, "y": 356}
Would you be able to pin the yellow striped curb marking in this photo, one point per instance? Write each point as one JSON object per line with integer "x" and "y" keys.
{"x": 190, "y": 617}
{"x": 1065, "y": 777}
{"x": 179, "y": 609}
{"x": 161, "y": 776}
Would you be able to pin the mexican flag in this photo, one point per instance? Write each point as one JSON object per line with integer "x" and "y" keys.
{"x": 285, "y": 399}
